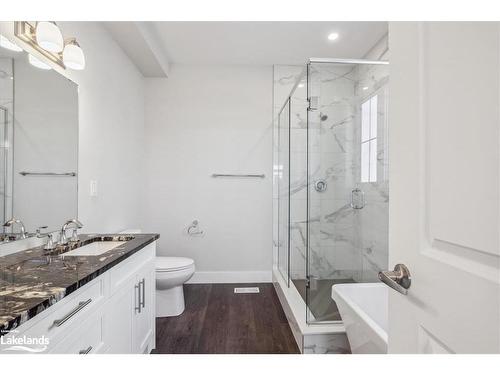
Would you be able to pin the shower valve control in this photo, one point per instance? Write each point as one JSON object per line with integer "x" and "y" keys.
{"x": 320, "y": 186}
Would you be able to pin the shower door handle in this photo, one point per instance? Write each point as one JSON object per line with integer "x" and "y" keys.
{"x": 356, "y": 193}
{"x": 399, "y": 279}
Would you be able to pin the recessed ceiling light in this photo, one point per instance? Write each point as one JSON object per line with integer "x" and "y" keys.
{"x": 333, "y": 36}
{"x": 301, "y": 85}
{"x": 365, "y": 88}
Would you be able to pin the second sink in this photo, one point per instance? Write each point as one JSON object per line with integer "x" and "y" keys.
{"x": 94, "y": 248}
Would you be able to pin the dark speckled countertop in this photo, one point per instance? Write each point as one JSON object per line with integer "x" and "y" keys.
{"x": 33, "y": 280}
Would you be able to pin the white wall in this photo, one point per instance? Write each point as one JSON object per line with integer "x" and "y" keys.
{"x": 111, "y": 115}
{"x": 204, "y": 120}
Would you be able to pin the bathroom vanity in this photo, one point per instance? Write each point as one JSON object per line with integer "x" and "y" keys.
{"x": 94, "y": 296}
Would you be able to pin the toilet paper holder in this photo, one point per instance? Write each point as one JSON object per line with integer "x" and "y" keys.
{"x": 193, "y": 229}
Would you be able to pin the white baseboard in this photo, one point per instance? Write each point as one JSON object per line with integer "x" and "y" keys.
{"x": 219, "y": 277}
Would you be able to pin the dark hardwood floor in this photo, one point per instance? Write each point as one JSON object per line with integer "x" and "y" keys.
{"x": 218, "y": 321}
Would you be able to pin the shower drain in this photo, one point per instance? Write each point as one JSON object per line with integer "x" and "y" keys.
{"x": 246, "y": 290}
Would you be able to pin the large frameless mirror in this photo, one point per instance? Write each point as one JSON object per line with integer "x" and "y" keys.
{"x": 38, "y": 145}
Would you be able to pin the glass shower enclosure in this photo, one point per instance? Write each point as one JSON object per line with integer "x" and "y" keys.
{"x": 331, "y": 180}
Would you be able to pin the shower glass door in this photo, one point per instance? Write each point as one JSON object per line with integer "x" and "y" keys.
{"x": 291, "y": 174}
{"x": 298, "y": 185}
{"x": 347, "y": 180}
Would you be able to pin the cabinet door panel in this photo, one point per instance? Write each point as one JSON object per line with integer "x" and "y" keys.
{"x": 118, "y": 322}
{"x": 143, "y": 320}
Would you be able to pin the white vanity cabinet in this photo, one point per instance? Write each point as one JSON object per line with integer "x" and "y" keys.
{"x": 114, "y": 313}
{"x": 132, "y": 291}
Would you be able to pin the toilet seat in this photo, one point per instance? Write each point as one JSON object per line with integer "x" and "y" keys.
{"x": 171, "y": 264}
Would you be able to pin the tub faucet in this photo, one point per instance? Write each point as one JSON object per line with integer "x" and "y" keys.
{"x": 63, "y": 240}
{"x": 16, "y": 221}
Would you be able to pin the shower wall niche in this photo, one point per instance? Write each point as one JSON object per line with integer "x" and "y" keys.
{"x": 331, "y": 178}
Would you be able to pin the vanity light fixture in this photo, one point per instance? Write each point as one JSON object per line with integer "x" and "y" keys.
{"x": 73, "y": 56}
{"x": 46, "y": 38}
{"x": 7, "y": 44}
{"x": 49, "y": 37}
{"x": 333, "y": 36}
{"x": 37, "y": 63}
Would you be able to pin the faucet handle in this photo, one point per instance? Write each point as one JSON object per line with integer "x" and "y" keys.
{"x": 50, "y": 243}
{"x": 39, "y": 231}
{"x": 74, "y": 236}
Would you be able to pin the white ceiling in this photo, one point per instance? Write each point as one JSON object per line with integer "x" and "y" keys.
{"x": 152, "y": 46}
{"x": 264, "y": 43}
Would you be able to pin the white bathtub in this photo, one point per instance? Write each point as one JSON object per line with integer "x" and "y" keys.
{"x": 363, "y": 308}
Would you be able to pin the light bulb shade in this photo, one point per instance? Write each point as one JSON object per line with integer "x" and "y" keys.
{"x": 35, "y": 62}
{"x": 49, "y": 37}
{"x": 6, "y": 43}
{"x": 73, "y": 56}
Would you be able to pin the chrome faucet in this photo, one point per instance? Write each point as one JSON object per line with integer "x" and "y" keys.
{"x": 74, "y": 238}
{"x": 16, "y": 221}
{"x": 50, "y": 240}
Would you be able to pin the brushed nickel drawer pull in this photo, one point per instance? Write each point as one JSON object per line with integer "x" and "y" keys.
{"x": 137, "y": 307}
{"x": 143, "y": 293}
{"x": 85, "y": 351}
{"x": 81, "y": 305}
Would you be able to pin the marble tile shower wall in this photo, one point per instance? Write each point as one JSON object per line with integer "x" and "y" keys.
{"x": 344, "y": 243}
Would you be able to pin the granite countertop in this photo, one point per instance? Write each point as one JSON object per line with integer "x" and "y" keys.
{"x": 33, "y": 280}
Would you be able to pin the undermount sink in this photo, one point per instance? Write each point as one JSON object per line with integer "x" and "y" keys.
{"x": 363, "y": 308}
{"x": 94, "y": 248}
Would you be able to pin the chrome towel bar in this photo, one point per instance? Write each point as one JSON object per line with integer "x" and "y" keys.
{"x": 239, "y": 175}
{"x": 65, "y": 174}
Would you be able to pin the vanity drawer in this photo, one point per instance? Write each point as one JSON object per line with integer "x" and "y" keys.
{"x": 68, "y": 312}
{"x": 85, "y": 339}
{"x": 125, "y": 272}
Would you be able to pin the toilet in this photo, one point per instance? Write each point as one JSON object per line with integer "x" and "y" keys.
{"x": 171, "y": 274}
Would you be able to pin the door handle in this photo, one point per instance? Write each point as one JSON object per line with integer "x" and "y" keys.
{"x": 399, "y": 279}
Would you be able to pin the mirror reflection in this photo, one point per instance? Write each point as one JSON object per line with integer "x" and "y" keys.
{"x": 38, "y": 147}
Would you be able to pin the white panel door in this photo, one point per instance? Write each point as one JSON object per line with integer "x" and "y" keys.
{"x": 445, "y": 186}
